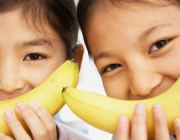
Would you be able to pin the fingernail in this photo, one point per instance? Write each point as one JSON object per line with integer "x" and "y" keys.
{"x": 9, "y": 114}
{"x": 156, "y": 108}
{"x": 20, "y": 105}
{"x": 177, "y": 124}
{"x": 33, "y": 104}
{"x": 139, "y": 108}
{"x": 123, "y": 121}
{"x": 157, "y": 111}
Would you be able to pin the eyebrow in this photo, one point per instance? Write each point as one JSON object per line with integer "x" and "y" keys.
{"x": 35, "y": 42}
{"x": 101, "y": 55}
{"x": 150, "y": 30}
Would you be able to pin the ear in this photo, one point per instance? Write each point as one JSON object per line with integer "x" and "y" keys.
{"x": 79, "y": 51}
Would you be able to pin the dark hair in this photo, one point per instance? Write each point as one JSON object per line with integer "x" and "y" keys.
{"x": 84, "y": 13}
{"x": 59, "y": 14}
{"x": 86, "y": 8}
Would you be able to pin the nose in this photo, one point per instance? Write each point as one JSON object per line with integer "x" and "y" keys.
{"x": 10, "y": 81}
{"x": 144, "y": 79}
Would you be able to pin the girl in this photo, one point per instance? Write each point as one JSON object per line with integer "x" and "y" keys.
{"x": 135, "y": 47}
{"x": 36, "y": 37}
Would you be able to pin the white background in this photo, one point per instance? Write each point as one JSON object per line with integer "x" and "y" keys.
{"x": 89, "y": 80}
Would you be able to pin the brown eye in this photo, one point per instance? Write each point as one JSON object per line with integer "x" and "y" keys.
{"x": 34, "y": 56}
{"x": 158, "y": 45}
{"x": 111, "y": 67}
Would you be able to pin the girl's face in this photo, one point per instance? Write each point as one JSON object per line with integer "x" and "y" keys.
{"x": 136, "y": 48}
{"x": 27, "y": 57}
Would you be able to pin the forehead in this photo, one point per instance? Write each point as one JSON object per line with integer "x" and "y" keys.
{"x": 16, "y": 14}
{"x": 17, "y": 28}
{"x": 126, "y": 22}
{"x": 124, "y": 12}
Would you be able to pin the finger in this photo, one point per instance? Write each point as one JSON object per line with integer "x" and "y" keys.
{"x": 161, "y": 129}
{"x": 139, "y": 131}
{"x": 15, "y": 126}
{"x": 177, "y": 128}
{"x": 5, "y": 137}
{"x": 122, "y": 132}
{"x": 35, "y": 125}
{"x": 46, "y": 119}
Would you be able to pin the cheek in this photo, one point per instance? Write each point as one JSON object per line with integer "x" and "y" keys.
{"x": 170, "y": 64}
{"x": 37, "y": 78}
{"x": 40, "y": 75}
{"x": 116, "y": 88}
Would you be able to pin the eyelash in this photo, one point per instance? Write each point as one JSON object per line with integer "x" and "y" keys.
{"x": 110, "y": 67}
{"x": 159, "y": 45}
{"x": 34, "y": 57}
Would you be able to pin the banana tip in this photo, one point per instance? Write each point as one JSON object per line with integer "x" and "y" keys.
{"x": 73, "y": 60}
{"x": 64, "y": 89}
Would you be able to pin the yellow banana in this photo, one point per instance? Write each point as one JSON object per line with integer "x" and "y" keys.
{"x": 103, "y": 112}
{"x": 48, "y": 93}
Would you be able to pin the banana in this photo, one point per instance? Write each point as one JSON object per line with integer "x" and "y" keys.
{"x": 103, "y": 112}
{"x": 48, "y": 93}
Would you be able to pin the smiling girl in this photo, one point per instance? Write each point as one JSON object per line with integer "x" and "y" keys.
{"x": 135, "y": 45}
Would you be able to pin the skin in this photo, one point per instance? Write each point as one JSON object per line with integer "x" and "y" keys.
{"x": 27, "y": 58}
{"x": 136, "y": 51}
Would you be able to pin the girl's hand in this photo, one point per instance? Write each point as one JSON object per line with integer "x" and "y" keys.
{"x": 40, "y": 123}
{"x": 137, "y": 129}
